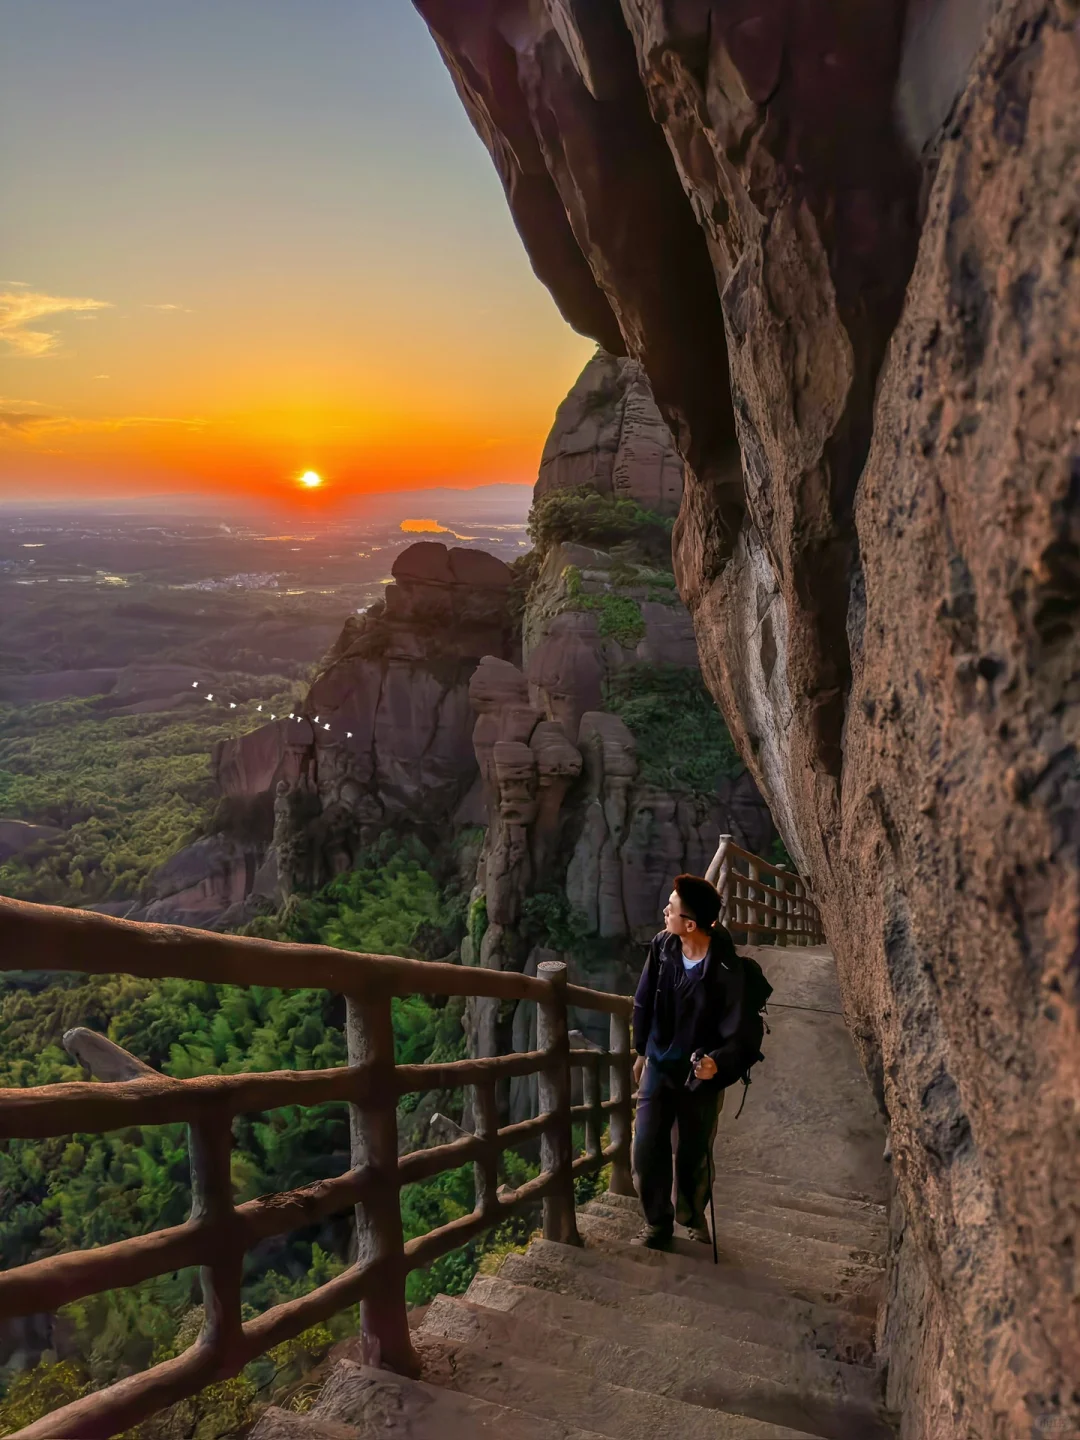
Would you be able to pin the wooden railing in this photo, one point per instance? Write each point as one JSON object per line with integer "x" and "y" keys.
{"x": 219, "y": 1232}
{"x": 766, "y": 904}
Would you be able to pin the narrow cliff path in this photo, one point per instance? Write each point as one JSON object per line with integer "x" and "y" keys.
{"x": 809, "y": 1115}
{"x": 774, "y": 1343}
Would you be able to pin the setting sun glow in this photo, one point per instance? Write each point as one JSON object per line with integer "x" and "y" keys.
{"x": 199, "y": 371}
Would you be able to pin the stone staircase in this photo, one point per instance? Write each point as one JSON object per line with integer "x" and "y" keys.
{"x": 774, "y": 1343}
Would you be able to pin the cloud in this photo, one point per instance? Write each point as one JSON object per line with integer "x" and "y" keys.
{"x": 19, "y": 421}
{"x": 19, "y": 308}
{"x": 19, "y": 415}
{"x": 29, "y": 424}
{"x": 423, "y": 527}
{"x": 182, "y": 308}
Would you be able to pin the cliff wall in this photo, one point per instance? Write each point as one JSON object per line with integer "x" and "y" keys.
{"x": 841, "y": 242}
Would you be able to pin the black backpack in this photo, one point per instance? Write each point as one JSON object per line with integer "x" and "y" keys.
{"x": 746, "y": 1052}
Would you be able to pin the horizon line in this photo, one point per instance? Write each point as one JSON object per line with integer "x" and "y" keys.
{"x": 198, "y": 497}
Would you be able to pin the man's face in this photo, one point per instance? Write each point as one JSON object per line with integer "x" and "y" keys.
{"x": 676, "y": 919}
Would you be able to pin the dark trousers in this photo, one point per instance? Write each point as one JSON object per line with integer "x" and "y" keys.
{"x": 664, "y": 1101}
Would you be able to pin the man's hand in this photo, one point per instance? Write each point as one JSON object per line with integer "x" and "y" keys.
{"x": 639, "y": 1070}
{"x": 705, "y": 1068}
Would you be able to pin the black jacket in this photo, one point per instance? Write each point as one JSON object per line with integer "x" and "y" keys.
{"x": 702, "y": 1016}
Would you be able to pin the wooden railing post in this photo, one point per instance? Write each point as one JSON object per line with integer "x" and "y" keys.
{"x": 369, "y": 1032}
{"x": 486, "y": 1170}
{"x": 210, "y": 1163}
{"x": 210, "y": 1157}
{"x": 622, "y": 1106}
{"x": 557, "y": 1144}
{"x": 754, "y": 916}
{"x": 796, "y": 910}
{"x": 783, "y": 906}
{"x": 594, "y": 1120}
{"x": 719, "y": 874}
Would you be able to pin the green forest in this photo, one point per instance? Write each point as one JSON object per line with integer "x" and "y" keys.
{"x": 128, "y": 791}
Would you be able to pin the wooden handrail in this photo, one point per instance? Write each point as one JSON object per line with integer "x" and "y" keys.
{"x": 783, "y": 914}
{"x": 127, "y": 1092}
{"x": 61, "y": 939}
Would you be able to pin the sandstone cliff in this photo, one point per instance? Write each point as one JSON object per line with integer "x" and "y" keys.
{"x": 383, "y": 740}
{"x": 841, "y": 241}
{"x": 610, "y": 435}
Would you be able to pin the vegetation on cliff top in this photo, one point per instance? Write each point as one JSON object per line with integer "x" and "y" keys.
{"x": 585, "y": 517}
{"x": 683, "y": 743}
{"x": 128, "y": 791}
{"x": 619, "y": 617}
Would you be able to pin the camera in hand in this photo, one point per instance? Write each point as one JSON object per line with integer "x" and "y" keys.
{"x": 692, "y": 1081}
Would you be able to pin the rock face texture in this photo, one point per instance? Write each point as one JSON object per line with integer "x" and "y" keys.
{"x": 389, "y": 716}
{"x": 842, "y": 242}
{"x": 609, "y": 435}
{"x": 19, "y": 835}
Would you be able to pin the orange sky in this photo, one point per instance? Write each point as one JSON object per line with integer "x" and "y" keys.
{"x": 269, "y": 242}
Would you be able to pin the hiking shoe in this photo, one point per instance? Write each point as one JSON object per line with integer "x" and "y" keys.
{"x": 700, "y": 1233}
{"x": 654, "y": 1239}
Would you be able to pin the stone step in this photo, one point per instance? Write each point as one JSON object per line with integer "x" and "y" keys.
{"x": 696, "y": 1277}
{"x": 528, "y": 1383}
{"x": 815, "y": 1190}
{"x": 791, "y": 1386}
{"x": 362, "y": 1404}
{"x": 768, "y": 1207}
{"x": 743, "y": 1230}
{"x": 809, "y": 1269}
{"x": 796, "y": 1359}
{"x": 780, "y": 1190}
{"x": 743, "y": 1240}
{"x": 756, "y": 1316}
{"x": 869, "y": 1239}
{"x": 275, "y": 1424}
{"x": 867, "y": 1233}
{"x": 735, "y": 1188}
{"x": 739, "y": 1231}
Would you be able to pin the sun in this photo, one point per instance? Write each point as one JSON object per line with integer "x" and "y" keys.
{"x": 310, "y": 480}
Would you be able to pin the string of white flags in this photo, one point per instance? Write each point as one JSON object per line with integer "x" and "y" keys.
{"x": 318, "y": 722}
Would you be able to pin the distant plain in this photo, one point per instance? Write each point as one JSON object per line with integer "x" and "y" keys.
{"x": 131, "y": 642}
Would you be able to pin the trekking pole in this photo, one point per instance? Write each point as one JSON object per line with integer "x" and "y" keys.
{"x": 691, "y": 1084}
{"x": 712, "y": 1210}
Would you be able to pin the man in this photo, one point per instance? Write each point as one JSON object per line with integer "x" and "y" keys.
{"x": 689, "y": 1000}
